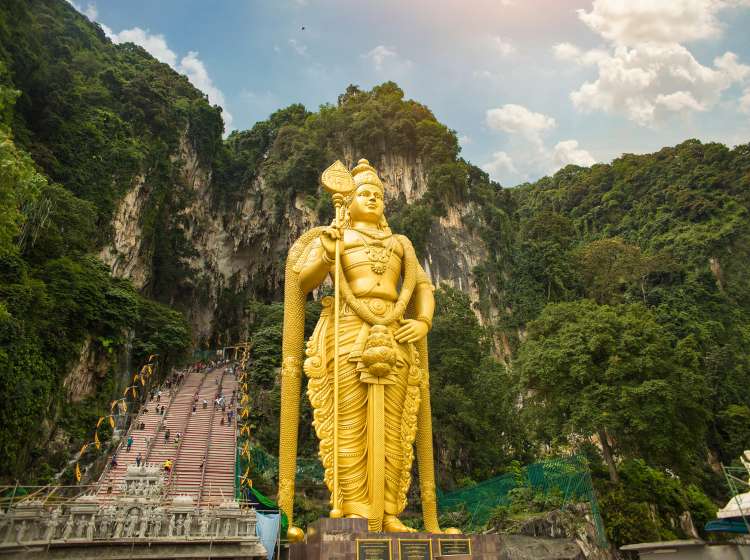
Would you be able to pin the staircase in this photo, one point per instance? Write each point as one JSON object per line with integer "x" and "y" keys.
{"x": 218, "y": 478}
{"x": 175, "y": 420}
{"x": 187, "y": 472}
{"x": 144, "y": 441}
{"x": 204, "y": 460}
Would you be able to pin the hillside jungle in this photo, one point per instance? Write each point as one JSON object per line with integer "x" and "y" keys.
{"x": 614, "y": 301}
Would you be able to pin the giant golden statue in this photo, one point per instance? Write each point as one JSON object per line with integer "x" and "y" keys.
{"x": 367, "y": 364}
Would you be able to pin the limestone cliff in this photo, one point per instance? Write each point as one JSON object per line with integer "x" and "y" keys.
{"x": 241, "y": 249}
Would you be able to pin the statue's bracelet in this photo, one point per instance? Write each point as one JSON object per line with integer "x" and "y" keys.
{"x": 326, "y": 258}
{"x": 425, "y": 320}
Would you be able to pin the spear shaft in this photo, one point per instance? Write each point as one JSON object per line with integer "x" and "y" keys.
{"x": 338, "y": 181}
{"x": 336, "y": 512}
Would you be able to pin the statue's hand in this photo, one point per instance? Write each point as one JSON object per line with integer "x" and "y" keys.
{"x": 328, "y": 239}
{"x": 411, "y": 330}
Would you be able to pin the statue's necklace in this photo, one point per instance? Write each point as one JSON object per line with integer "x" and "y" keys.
{"x": 377, "y": 254}
{"x": 374, "y": 233}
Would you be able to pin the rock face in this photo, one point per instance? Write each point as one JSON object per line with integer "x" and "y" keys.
{"x": 243, "y": 248}
{"x": 89, "y": 368}
{"x": 558, "y": 535}
{"x": 126, "y": 254}
{"x": 521, "y": 547}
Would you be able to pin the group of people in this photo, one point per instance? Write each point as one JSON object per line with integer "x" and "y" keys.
{"x": 159, "y": 396}
{"x": 177, "y": 439}
{"x": 220, "y": 402}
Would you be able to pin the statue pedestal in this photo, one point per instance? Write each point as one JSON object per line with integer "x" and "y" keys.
{"x": 348, "y": 539}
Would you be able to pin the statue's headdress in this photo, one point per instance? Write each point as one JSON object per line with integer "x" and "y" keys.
{"x": 362, "y": 174}
{"x": 365, "y": 174}
{"x": 339, "y": 181}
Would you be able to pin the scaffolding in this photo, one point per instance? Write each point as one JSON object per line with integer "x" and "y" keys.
{"x": 235, "y": 352}
{"x": 737, "y": 487}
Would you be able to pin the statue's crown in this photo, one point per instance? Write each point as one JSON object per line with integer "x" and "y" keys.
{"x": 365, "y": 174}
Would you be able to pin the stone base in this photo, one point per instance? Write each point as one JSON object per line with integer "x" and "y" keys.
{"x": 336, "y": 539}
{"x": 124, "y": 550}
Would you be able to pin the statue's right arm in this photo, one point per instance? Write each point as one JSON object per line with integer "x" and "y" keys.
{"x": 316, "y": 267}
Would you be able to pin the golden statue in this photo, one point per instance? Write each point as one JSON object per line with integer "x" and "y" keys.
{"x": 366, "y": 360}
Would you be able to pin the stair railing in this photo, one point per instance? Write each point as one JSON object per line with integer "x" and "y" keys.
{"x": 160, "y": 425}
{"x": 108, "y": 466}
{"x": 185, "y": 429}
{"x": 208, "y": 444}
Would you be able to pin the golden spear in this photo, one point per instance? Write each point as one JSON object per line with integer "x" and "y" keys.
{"x": 339, "y": 182}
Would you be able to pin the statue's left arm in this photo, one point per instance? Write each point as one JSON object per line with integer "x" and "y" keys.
{"x": 422, "y": 307}
{"x": 424, "y": 300}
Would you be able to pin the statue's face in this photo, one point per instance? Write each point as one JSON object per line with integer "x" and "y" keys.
{"x": 367, "y": 205}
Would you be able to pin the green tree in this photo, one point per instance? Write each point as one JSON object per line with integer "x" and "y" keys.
{"x": 474, "y": 441}
{"x": 615, "y": 373}
{"x": 20, "y": 183}
{"x": 648, "y": 504}
{"x": 733, "y": 426}
{"x": 610, "y": 266}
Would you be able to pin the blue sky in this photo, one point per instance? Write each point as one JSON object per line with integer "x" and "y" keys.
{"x": 528, "y": 85}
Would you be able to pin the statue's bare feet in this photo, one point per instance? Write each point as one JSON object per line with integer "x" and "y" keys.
{"x": 392, "y": 524}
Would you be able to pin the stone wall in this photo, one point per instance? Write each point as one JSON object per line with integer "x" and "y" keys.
{"x": 138, "y": 515}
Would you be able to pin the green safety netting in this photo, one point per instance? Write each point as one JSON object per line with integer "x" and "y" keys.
{"x": 308, "y": 470}
{"x": 568, "y": 476}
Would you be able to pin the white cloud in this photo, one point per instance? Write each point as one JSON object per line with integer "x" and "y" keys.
{"x": 385, "y": 58}
{"x": 678, "y": 101}
{"x": 630, "y": 22}
{"x": 500, "y": 164}
{"x": 646, "y": 73}
{"x": 196, "y": 72}
{"x": 566, "y": 51}
{"x": 190, "y": 65}
{"x": 464, "y": 140}
{"x": 529, "y": 155}
{"x": 491, "y": 79}
{"x": 569, "y": 52}
{"x": 567, "y": 152}
{"x": 155, "y": 44}
{"x": 380, "y": 54}
{"x": 298, "y": 47}
{"x": 745, "y": 101}
{"x": 517, "y": 119}
{"x": 649, "y": 81}
{"x": 500, "y": 45}
{"x": 89, "y": 11}
{"x": 730, "y": 66}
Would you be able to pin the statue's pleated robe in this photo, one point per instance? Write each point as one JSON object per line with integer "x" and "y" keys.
{"x": 401, "y": 392}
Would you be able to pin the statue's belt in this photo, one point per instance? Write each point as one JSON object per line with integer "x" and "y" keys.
{"x": 378, "y": 306}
